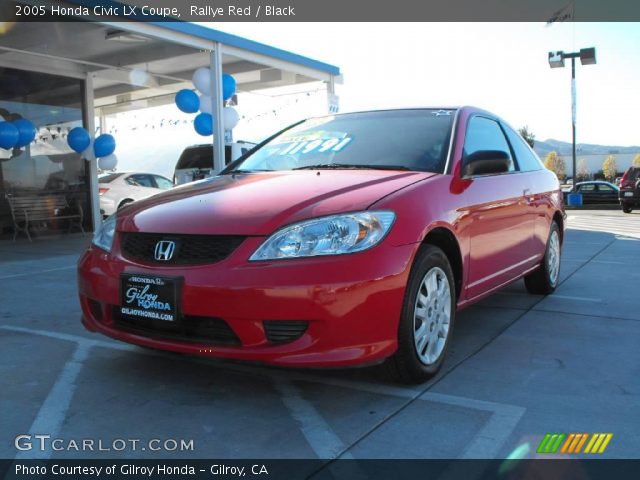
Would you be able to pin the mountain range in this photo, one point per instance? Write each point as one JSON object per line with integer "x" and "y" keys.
{"x": 542, "y": 148}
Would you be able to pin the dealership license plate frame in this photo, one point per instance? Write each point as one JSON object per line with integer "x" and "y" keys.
{"x": 171, "y": 284}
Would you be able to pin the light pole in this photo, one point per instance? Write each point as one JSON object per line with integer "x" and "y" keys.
{"x": 556, "y": 60}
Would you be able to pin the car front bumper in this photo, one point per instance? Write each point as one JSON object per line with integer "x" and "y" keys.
{"x": 351, "y": 303}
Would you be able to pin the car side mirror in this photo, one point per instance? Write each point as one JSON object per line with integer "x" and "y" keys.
{"x": 486, "y": 162}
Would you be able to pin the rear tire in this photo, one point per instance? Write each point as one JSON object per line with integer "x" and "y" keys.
{"x": 545, "y": 279}
{"x": 427, "y": 318}
{"x": 626, "y": 209}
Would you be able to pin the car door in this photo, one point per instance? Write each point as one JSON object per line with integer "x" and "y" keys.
{"x": 501, "y": 225}
{"x": 607, "y": 193}
{"x": 589, "y": 193}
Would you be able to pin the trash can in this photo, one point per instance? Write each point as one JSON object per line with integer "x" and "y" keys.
{"x": 574, "y": 199}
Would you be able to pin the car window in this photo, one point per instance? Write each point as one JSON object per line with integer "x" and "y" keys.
{"x": 603, "y": 187}
{"x": 590, "y": 187}
{"x": 109, "y": 177}
{"x": 633, "y": 174}
{"x": 162, "y": 182}
{"x": 526, "y": 158}
{"x": 404, "y": 139}
{"x": 485, "y": 134}
{"x": 140, "y": 180}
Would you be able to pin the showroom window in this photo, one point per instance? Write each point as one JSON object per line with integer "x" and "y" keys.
{"x": 47, "y": 168}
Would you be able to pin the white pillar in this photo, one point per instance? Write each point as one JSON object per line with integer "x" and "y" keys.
{"x": 94, "y": 192}
{"x": 216, "y": 110}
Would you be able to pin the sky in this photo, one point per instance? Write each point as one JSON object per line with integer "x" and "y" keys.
{"x": 501, "y": 67}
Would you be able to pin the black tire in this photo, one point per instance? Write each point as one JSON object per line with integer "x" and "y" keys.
{"x": 405, "y": 365}
{"x": 124, "y": 202}
{"x": 626, "y": 209}
{"x": 540, "y": 281}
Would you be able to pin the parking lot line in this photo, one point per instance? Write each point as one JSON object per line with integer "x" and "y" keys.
{"x": 580, "y": 299}
{"x": 37, "y": 272}
{"x": 490, "y": 439}
{"x": 54, "y": 409}
{"x": 318, "y": 433}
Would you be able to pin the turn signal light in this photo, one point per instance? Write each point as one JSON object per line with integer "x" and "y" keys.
{"x": 102, "y": 191}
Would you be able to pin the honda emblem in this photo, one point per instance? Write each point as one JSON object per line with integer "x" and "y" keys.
{"x": 165, "y": 250}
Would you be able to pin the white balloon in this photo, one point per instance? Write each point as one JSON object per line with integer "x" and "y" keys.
{"x": 230, "y": 118}
{"x": 108, "y": 163}
{"x": 202, "y": 80}
{"x": 88, "y": 153}
{"x": 205, "y": 103}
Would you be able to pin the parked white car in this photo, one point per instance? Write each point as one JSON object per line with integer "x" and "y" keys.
{"x": 119, "y": 189}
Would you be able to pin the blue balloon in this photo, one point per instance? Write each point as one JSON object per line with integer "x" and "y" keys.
{"x": 228, "y": 86}
{"x": 26, "y": 132}
{"x": 104, "y": 145}
{"x": 203, "y": 124}
{"x": 78, "y": 139}
{"x": 8, "y": 135}
{"x": 187, "y": 101}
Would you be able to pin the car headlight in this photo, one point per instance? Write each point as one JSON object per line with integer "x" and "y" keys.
{"x": 103, "y": 238}
{"x": 333, "y": 235}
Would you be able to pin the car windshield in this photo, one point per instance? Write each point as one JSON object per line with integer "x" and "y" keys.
{"x": 391, "y": 140}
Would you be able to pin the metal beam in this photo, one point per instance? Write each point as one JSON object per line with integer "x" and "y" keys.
{"x": 216, "y": 111}
{"x": 93, "y": 163}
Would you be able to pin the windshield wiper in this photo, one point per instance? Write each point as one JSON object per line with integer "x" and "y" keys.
{"x": 345, "y": 166}
{"x": 240, "y": 170}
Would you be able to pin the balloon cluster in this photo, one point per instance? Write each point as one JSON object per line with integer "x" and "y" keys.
{"x": 189, "y": 102}
{"x": 16, "y": 134}
{"x": 103, "y": 147}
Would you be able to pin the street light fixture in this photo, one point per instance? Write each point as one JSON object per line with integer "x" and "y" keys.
{"x": 587, "y": 56}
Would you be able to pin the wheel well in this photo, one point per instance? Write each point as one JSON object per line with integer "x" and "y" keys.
{"x": 560, "y": 221}
{"x": 446, "y": 241}
{"x": 124, "y": 202}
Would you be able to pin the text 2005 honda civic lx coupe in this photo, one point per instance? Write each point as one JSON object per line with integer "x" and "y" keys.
{"x": 342, "y": 240}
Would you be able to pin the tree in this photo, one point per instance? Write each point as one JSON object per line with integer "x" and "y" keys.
{"x": 528, "y": 136}
{"x": 555, "y": 163}
{"x": 636, "y": 161}
{"x": 583, "y": 172}
{"x": 609, "y": 168}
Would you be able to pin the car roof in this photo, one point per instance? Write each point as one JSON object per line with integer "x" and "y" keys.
{"x": 595, "y": 181}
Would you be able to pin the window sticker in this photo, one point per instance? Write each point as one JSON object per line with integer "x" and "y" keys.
{"x": 313, "y": 142}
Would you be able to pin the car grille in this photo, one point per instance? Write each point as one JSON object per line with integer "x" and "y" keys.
{"x": 283, "y": 331}
{"x": 189, "y": 249}
{"x": 192, "y": 329}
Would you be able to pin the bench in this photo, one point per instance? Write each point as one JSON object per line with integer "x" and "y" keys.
{"x": 27, "y": 210}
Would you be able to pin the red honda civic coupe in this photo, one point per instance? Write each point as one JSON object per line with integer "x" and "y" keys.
{"x": 343, "y": 240}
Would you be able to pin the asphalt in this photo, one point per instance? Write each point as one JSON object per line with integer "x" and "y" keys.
{"x": 520, "y": 366}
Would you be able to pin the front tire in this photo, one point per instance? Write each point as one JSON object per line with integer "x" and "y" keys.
{"x": 626, "y": 209}
{"x": 545, "y": 279}
{"x": 427, "y": 318}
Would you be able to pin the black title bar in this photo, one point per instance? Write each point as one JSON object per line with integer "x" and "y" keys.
{"x": 321, "y": 11}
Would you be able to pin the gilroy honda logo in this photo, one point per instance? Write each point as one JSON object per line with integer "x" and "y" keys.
{"x": 573, "y": 443}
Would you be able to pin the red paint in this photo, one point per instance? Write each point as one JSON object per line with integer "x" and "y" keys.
{"x": 352, "y": 302}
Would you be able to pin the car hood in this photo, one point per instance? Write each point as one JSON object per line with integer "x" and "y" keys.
{"x": 259, "y": 203}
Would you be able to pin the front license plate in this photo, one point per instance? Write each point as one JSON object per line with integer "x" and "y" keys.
{"x": 149, "y": 297}
{"x": 628, "y": 194}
